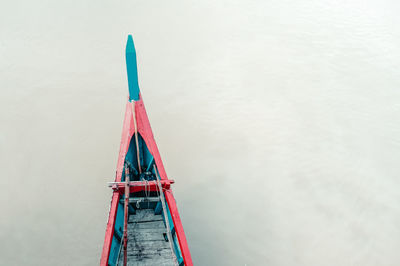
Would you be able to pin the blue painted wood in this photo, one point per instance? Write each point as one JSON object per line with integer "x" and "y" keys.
{"x": 131, "y": 67}
{"x": 116, "y": 242}
{"x": 177, "y": 250}
{"x": 158, "y": 208}
{"x": 150, "y": 165}
{"x": 131, "y": 157}
{"x": 171, "y": 223}
{"x": 131, "y": 209}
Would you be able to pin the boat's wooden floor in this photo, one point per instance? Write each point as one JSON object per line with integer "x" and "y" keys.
{"x": 146, "y": 242}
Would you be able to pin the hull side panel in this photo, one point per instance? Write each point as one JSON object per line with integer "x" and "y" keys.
{"x": 125, "y": 140}
{"x": 147, "y": 134}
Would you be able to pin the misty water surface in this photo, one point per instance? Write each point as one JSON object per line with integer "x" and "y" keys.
{"x": 278, "y": 120}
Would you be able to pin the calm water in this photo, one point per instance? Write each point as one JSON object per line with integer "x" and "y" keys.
{"x": 278, "y": 120}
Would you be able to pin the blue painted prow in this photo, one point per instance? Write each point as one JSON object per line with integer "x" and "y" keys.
{"x": 131, "y": 67}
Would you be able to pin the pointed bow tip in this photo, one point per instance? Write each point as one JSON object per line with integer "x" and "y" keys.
{"x": 131, "y": 67}
{"x": 130, "y": 46}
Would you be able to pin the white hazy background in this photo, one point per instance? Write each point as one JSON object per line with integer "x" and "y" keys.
{"x": 279, "y": 121}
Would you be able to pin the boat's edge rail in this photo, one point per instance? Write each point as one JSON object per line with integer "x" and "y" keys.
{"x": 135, "y": 186}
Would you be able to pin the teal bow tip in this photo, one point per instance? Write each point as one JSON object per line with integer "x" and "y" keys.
{"x": 131, "y": 67}
{"x": 130, "y": 46}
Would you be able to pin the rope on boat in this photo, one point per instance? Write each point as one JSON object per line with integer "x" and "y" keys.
{"x": 126, "y": 213}
{"x": 147, "y": 192}
{"x": 164, "y": 207}
{"x": 136, "y": 136}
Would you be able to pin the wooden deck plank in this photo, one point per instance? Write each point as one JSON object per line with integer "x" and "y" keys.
{"x": 146, "y": 242}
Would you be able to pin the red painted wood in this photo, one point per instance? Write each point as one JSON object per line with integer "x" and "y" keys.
{"x": 110, "y": 229}
{"x": 125, "y": 139}
{"x": 126, "y": 214}
{"x": 187, "y": 258}
{"x": 141, "y": 186}
{"x": 145, "y": 131}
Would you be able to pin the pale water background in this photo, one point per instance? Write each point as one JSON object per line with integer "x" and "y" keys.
{"x": 279, "y": 121}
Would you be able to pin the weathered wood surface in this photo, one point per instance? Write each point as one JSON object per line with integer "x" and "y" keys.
{"x": 149, "y": 199}
{"x": 144, "y": 203}
{"x": 146, "y": 242}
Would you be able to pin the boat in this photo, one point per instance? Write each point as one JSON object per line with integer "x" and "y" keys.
{"x": 144, "y": 227}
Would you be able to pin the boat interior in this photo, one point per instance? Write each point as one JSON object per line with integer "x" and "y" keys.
{"x": 151, "y": 234}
